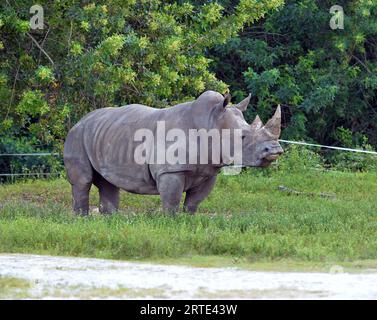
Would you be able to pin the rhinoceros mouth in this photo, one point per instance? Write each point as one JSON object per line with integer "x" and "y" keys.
{"x": 272, "y": 157}
{"x": 266, "y": 161}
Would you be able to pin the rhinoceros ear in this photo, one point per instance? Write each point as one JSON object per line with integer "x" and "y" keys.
{"x": 274, "y": 124}
{"x": 257, "y": 124}
{"x": 244, "y": 103}
{"x": 227, "y": 99}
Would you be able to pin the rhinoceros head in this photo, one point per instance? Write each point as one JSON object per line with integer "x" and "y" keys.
{"x": 260, "y": 144}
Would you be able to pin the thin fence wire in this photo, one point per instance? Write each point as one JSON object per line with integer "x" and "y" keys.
{"x": 28, "y": 154}
{"x": 30, "y": 174}
{"x": 328, "y": 147}
{"x": 44, "y": 154}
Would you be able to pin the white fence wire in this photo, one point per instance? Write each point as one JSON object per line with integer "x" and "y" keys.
{"x": 328, "y": 147}
{"x": 44, "y": 154}
{"x": 35, "y": 174}
{"x": 28, "y": 154}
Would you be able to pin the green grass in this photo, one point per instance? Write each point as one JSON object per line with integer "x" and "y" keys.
{"x": 245, "y": 220}
{"x": 13, "y": 288}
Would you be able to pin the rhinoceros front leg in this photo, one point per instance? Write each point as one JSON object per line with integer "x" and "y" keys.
{"x": 197, "y": 194}
{"x": 170, "y": 186}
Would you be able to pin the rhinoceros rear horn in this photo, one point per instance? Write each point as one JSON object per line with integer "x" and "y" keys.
{"x": 244, "y": 103}
{"x": 227, "y": 99}
{"x": 274, "y": 124}
{"x": 257, "y": 124}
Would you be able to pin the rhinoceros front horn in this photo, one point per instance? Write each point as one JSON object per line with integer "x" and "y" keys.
{"x": 274, "y": 124}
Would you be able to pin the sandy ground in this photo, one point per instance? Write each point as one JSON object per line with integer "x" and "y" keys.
{"x": 71, "y": 278}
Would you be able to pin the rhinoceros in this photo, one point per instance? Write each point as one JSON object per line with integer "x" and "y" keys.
{"x": 100, "y": 150}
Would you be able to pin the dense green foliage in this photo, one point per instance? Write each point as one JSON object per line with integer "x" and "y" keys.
{"x": 325, "y": 80}
{"x": 109, "y": 53}
{"x": 104, "y": 53}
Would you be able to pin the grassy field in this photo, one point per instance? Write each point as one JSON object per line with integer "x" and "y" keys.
{"x": 246, "y": 220}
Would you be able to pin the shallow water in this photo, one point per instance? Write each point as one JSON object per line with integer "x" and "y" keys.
{"x": 71, "y": 278}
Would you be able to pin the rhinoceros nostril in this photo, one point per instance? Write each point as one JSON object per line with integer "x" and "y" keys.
{"x": 267, "y": 149}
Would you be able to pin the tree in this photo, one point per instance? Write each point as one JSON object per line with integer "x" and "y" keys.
{"x": 325, "y": 79}
{"x": 107, "y": 53}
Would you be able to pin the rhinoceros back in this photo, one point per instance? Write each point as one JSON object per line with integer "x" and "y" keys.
{"x": 105, "y": 137}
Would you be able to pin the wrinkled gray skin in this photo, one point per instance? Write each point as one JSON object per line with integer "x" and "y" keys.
{"x": 99, "y": 150}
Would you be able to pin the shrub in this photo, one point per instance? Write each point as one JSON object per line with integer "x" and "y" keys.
{"x": 299, "y": 159}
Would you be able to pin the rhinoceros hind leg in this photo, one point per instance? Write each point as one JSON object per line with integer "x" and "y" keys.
{"x": 170, "y": 186}
{"x": 80, "y": 193}
{"x": 108, "y": 194}
{"x": 197, "y": 194}
{"x": 80, "y": 175}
